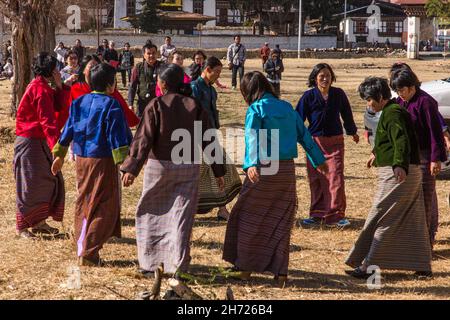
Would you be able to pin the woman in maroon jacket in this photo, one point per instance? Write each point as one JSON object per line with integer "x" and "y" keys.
{"x": 40, "y": 195}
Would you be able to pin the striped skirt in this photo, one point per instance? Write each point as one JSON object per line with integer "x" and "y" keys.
{"x": 395, "y": 235}
{"x": 259, "y": 229}
{"x": 165, "y": 215}
{"x": 39, "y": 194}
{"x": 328, "y": 200}
{"x": 210, "y": 196}
{"x": 97, "y": 209}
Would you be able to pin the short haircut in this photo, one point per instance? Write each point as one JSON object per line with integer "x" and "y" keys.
{"x": 127, "y": 44}
{"x": 237, "y": 36}
{"x": 102, "y": 76}
{"x": 213, "y": 62}
{"x": 312, "y": 82}
{"x": 402, "y": 78}
{"x": 375, "y": 88}
{"x": 173, "y": 54}
{"x": 44, "y": 64}
{"x": 199, "y": 53}
{"x": 83, "y": 65}
{"x": 149, "y": 46}
{"x": 168, "y": 38}
{"x": 254, "y": 85}
{"x": 173, "y": 76}
{"x": 70, "y": 52}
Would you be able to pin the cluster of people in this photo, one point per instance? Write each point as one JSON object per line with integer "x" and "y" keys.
{"x": 6, "y": 63}
{"x": 87, "y": 114}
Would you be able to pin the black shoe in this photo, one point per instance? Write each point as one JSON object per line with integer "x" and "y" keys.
{"x": 424, "y": 274}
{"x": 146, "y": 273}
{"x": 358, "y": 273}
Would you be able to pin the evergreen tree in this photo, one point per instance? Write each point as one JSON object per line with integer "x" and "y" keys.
{"x": 148, "y": 20}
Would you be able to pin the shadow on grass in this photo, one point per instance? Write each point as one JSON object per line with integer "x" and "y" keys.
{"x": 121, "y": 264}
{"x": 315, "y": 282}
{"x": 130, "y": 241}
{"x": 127, "y": 222}
{"x": 355, "y": 224}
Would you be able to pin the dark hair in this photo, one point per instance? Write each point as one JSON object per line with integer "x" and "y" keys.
{"x": 44, "y": 64}
{"x": 213, "y": 62}
{"x": 102, "y": 76}
{"x": 127, "y": 44}
{"x": 69, "y": 53}
{"x": 199, "y": 53}
{"x": 149, "y": 46}
{"x": 398, "y": 66}
{"x": 404, "y": 78}
{"x": 237, "y": 36}
{"x": 254, "y": 85}
{"x": 375, "y": 88}
{"x": 173, "y": 76}
{"x": 168, "y": 37}
{"x": 149, "y": 42}
{"x": 172, "y": 55}
{"x": 105, "y": 40}
{"x": 315, "y": 72}
{"x": 83, "y": 65}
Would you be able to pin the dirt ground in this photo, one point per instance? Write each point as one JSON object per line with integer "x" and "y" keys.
{"x": 39, "y": 270}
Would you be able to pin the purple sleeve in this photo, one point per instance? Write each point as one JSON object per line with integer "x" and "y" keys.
{"x": 434, "y": 122}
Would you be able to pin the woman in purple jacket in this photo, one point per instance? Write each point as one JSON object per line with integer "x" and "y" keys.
{"x": 427, "y": 122}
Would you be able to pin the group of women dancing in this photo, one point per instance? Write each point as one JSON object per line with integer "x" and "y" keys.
{"x": 90, "y": 118}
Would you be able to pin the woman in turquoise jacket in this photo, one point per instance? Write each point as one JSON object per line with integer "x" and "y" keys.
{"x": 259, "y": 229}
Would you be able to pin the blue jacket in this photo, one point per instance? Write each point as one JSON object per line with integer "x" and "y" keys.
{"x": 324, "y": 117}
{"x": 207, "y": 96}
{"x": 98, "y": 129}
{"x": 272, "y": 114}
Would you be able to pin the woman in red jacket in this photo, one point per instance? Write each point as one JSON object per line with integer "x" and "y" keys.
{"x": 81, "y": 87}
{"x": 40, "y": 195}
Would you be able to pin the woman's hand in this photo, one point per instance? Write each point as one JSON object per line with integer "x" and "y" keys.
{"x": 400, "y": 174}
{"x": 356, "y": 138}
{"x": 128, "y": 179}
{"x": 221, "y": 183}
{"x": 57, "y": 165}
{"x": 253, "y": 174}
{"x": 371, "y": 161}
{"x": 435, "y": 168}
{"x": 323, "y": 168}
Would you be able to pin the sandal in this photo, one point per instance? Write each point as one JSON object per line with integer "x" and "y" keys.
{"x": 85, "y": 262}
{"x": 45, "y": 229}
{"x": 281, "y": 281}
{"x": 358, "y": 273}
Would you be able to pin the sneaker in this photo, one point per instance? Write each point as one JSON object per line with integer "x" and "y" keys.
{"x": 340, "y": 224}
{"x": 312, "y": 221}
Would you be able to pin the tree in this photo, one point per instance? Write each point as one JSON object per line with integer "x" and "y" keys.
{"x": 27, "y": 15}
{"x": 147, "y": 20}
{"x": 438, "y": 8}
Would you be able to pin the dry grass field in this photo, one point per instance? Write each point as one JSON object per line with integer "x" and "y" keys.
{"x": 38, "y": 270}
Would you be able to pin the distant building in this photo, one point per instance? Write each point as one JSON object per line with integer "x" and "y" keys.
{"x": 378, "y": 22}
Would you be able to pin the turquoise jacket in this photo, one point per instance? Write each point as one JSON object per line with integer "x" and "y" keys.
{"x": 272, "y": 114}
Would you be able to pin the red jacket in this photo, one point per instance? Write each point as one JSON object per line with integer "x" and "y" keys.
{"x": 36, "y": 112}
{"x": 80, "y": 89}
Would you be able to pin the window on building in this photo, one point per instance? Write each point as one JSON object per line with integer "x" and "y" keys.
{"x": 360, "y": 27}
{"x": 198, "y": 6}
{"x": 131, "y": 8}
{"x": 383, "y": 27}
{"x": 398, "y": 26}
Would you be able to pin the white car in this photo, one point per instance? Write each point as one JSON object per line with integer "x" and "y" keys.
{"x": 440, "y": 91}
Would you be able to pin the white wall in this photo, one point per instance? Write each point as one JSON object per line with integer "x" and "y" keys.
{"x": 120, "y": 11}
{"x": 208, "y": 42}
